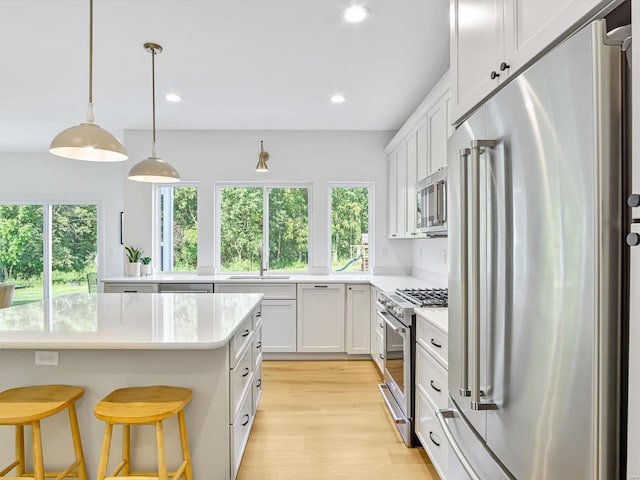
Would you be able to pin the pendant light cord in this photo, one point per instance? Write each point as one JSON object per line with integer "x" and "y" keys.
{"x": 90, "y": 51}
{"x": 153, "y": 98}
{"x": 90, "y": 116}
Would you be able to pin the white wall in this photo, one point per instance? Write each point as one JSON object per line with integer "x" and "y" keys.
{"x": 430, "y": 259}
{"x": 42, "y": 177}
{"x": 295, "y": 156}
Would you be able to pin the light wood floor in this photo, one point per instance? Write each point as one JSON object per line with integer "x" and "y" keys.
{"x": 320, "y": 420}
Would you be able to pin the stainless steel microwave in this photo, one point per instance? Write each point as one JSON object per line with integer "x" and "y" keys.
{"x": 432, "y": 204}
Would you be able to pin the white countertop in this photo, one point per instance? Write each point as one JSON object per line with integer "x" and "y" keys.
{"x": 438, "y": 317}
{"x": 132, "y": 321}
{"x": 383, "y": 282}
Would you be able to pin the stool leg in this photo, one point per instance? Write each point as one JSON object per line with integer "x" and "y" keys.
{"x": 162, "y": 459}
{"x": 38, "y": 463}
{"x": 126, "y": 449}
{"x": 184, "y": 442}
{"x": 104, "y": 454}
{"x": 77, "y": 442}
{"x": 20, "y": 450}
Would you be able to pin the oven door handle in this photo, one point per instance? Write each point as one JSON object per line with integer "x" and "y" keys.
{"x": 396, "y": 328}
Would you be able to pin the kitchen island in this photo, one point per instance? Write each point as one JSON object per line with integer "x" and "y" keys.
{"x": 107, "y": 341}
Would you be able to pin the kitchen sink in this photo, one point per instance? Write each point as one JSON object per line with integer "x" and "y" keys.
{"x": 258, "y": 277}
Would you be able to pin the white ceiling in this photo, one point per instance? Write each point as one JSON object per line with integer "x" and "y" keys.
{"x": 239, "y": 64}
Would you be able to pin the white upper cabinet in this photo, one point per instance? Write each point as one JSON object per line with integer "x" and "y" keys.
{"x": 477, "y": 48}
{"x": 398, "y": 192}
{"x": 493, "y": 39}
{"x": 417, "y": 150}
{"x": 438, "y": 132}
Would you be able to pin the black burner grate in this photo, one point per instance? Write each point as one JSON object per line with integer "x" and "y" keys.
{"x": 425, "y": 297}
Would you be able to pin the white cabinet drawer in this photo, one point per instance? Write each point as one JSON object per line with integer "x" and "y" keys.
{"x": 433, "y": 339}
{"x": 240, "y": 430}
{"x": 271, "y": 291}
{"x": 130, "y": 288}
{"x": 257, "y": 386}
{"x": 239, "y": 381}
{"x": 238, "y": 342}
{"x": 257, "y": 346}
{"x": 431, "y": 435}
{"x": 377, "y": 353}
{"x": 431, "y": 378}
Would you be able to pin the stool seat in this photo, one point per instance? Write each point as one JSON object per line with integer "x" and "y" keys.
{"x": 140, "y": 405}
{"x": 27, "y": 404}
{"x": 24, "y": 407}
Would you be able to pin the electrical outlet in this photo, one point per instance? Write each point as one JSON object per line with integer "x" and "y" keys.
{"x": 47, "y": 358}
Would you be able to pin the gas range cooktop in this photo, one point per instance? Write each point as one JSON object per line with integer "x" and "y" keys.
{"x": 425, "y": 297}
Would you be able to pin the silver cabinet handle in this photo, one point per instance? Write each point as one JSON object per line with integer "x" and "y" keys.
{"x": 442, "y": 415}
{"x": 477, "y": 148}
{"x": 246, "y": 421}
{"x": 464, "y": 267}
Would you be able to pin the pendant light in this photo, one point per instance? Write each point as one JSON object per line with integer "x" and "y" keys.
{"x": 262, "y": 160}
{"x": 88, "y": 141}
{"x": 153, "y": 169}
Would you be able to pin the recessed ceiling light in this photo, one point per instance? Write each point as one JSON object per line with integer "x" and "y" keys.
{"x": 355, "y": 13}
{"x": 338, "y": 98}
{"x": 173, "y": 97}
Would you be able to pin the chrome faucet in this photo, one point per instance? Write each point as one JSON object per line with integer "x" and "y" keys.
{"x": 261, "y": 255}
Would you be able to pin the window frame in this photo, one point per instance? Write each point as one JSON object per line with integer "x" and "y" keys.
{"x": 265, "y": 219}
{"x": 156, "y": 259}
{"x": 370, "y": 186}
{"x": 47, "y": 232}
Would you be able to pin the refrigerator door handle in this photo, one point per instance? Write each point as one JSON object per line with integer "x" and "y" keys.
{"x": 464, "y": 274}
{"x": 442, "y": 416}
{"x": 477, "y": 148}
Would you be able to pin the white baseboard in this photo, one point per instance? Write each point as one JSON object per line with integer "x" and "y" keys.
{"x": 312, "y": 356}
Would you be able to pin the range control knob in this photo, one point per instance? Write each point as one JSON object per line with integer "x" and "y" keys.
{"x": 633, "y": 200}
{"x": 633, "y": 239}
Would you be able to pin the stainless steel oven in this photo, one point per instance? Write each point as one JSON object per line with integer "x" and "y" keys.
{"x": 399, "y": 347}
{"x": 432, "y": 204}
{"x": 395, "y": 312}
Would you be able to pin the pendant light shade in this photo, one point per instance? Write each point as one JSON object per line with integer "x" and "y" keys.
{"x": 262, "y": 160}
{"x": 153, "y": 169}
{"x": 88, "y": 141}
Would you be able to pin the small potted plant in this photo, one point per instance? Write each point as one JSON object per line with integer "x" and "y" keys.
{"x": 145, "y": 267}
{"x": 133, "y": 256}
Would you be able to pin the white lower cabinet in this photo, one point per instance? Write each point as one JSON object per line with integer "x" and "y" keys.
{"x": 376, "y": 333}
{"x": 321, "y": 318}
{"x": 245, "y": 385}
{"x": 279, "y": 326}
{"x": 431, "y": 435}
{"x": 130, "y": 287}
{"x": 431, "y": 392}
{"x": 278, "y": 312}
{"x": 358, "y": 319}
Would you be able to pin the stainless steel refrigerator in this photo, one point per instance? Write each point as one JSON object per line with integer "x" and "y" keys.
{"x": 535, "y": 272}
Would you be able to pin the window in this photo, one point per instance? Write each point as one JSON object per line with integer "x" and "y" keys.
{"x": 178, "y": 228}
{"x": 48, "y": 250}
{"x": 274, "y": 216}
{"x": 350, "y": 214}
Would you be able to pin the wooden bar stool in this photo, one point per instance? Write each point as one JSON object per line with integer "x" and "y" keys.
{"x": 27, "y": 406}
{"x": 143, "y": 406}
